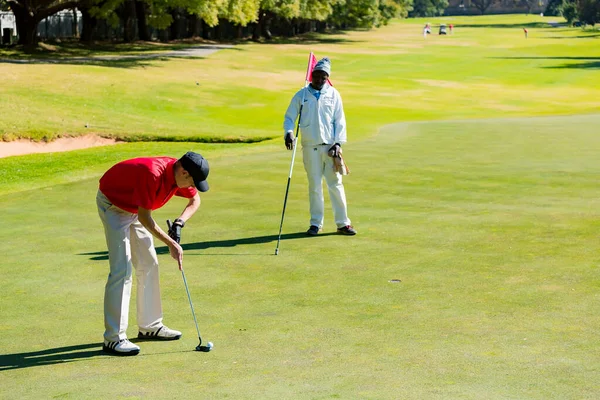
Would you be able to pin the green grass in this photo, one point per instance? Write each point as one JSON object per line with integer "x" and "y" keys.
{"x": 488, "y": 219}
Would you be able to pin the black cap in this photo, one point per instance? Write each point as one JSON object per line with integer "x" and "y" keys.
{"x": 197, "y": 166}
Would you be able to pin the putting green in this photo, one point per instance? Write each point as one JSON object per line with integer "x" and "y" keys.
{"x": 490, "y": 226}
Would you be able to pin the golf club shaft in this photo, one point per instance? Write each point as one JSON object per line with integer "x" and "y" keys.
{"x": 287, "y": 189}
{"x": 187, "y": 290}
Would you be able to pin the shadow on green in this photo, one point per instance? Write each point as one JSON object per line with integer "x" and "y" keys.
{"x": 56, "y": 355}
{"x": 103, "y": 255}
{"x": 61, "y": 355}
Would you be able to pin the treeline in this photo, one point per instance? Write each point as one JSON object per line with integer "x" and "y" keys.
{"x": 215, "y": 19}
{"x": 582, "y": 11}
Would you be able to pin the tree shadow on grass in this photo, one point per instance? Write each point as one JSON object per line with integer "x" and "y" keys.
{"x": 125, "y": 63}
{"x": 330, "y": 37}
{"x": 55, "y": 355}
{"x": 590, "y": 62}
{"x": 103, "y": 255}
{"x": 590, "y": 36}
{"x": 114, "y": 60}
{"x": 587, "y": 65}
{"x": 141, "y": 61}
{"x": 507, "y": 26}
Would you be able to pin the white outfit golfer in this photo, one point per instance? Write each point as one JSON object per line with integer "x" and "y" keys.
{"x": 322, "y": 124}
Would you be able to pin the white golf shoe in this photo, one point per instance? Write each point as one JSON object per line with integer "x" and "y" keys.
{"x": 122, "y": 347}
{"x": 162, "y": 333}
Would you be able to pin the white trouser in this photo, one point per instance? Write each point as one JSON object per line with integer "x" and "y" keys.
{"x": 129, "y": 244}
{"x": 318, "y": 165}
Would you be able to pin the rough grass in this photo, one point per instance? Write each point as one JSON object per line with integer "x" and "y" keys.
{"x": 485, "y": 69}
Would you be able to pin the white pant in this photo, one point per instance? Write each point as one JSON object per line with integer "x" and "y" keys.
{"x": 318, "y": 165}
{"x": 129, "y": 244}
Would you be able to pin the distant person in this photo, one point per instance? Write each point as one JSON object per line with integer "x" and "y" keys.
{"x": 426, "y": 29}
{"x": 525, "y": 31}
{"x": 323, "y": 132}
{"x": 128, "y": 193}
{"x": 450, "y": 28}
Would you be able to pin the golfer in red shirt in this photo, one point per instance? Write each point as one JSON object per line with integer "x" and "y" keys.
{"x": 128, "y": 193}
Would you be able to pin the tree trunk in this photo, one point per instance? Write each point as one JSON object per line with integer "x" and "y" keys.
{"x": 75, "y": 23}
{"x": 218, "y": 30}
{"x": 26, "y": 24}
{"x": 193, "y": 26}
{"x": 141, "y": 12}
{"x": 205, "y": 29}
{"x": 88, "y": 32}
{"x": 321, "y": 26}
{"x": 129, "y": 12}
{"x": 175, "y": 30}
{"x": 257, "y": 32}
{"x": 263, "y": 26}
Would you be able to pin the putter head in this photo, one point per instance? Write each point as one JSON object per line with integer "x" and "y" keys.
{"x": 204, "y": 349}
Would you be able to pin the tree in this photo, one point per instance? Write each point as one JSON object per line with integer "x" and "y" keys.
{"x": 588, "y": 11}
{"x": 29, "y": 13}
{"x": 368, "y": 13}
{"x": 568, "y": 10}
{"x": 317, "y": 10}
{"x": 240, "y": 12}
{"x": 552, "y": 8}
{"x": 356, "y": 13}
{"x": 482, "y": 5}
{"x": 269, "y": 9}
{"x": 396, "y": 9}
{"x": 428, "y": 8}
{"x": 530, "y": 4}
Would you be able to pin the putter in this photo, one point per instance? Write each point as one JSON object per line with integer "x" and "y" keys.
{"x": 209, "y": 345}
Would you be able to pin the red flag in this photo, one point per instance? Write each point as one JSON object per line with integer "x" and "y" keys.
{"x": 312, "y": 61}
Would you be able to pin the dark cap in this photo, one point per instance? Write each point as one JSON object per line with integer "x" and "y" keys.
{"x": 197, "y": 166}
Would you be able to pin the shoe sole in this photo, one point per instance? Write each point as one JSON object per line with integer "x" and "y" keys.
{"x": 120, "y": 353}
{"x": 141, "y": 336}
{"x": 346, "y": 233}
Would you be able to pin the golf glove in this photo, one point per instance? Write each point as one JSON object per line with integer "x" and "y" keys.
{"x": 339, "y": 166}
{"x": 175, "y": 230}
{"x": 289, "y": 140}
{"x": 335, "y": 151}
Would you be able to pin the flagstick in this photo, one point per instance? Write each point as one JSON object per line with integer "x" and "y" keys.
{"x": 287, "y": 189}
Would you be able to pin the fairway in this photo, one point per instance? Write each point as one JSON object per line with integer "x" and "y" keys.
{"x": 474, "y": 189}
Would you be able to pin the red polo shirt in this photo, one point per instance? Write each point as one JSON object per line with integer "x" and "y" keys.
{"x": 147, "y": 182}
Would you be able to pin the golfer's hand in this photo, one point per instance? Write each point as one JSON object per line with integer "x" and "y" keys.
{"x": 335, "y": 151}
{"x": 175, "y": 230}
{"x": 289, "y": 140}
{"x": 177, "y": 253}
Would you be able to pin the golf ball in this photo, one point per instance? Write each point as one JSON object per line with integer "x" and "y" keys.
{"x": 209, "y": 345}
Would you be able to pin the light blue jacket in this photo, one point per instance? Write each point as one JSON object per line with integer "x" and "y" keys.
{"x": 322, "y": 120}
